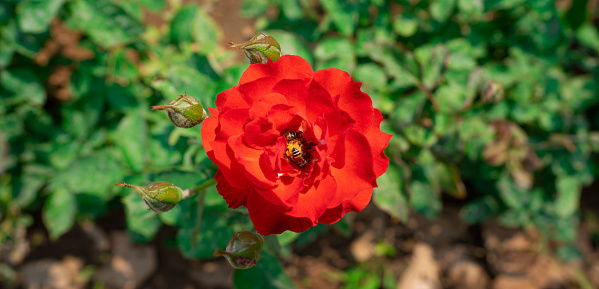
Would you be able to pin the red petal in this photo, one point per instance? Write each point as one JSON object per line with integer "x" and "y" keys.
{"x": 233, "y": 172}
{"x": 231, "y": 123}
{"x": 231, "y": 99}
{"x": 268, "y": 219}
{"x": 313, "y": 203}
{"x": 320, "y": 103}
{"x": 233, "y": 196}
{"x": 286, "y": 194}
{"x": 287, "y": 67}
{"x": 209, "y": 133}
{"x": 262, "y": 105}
{"x": 296, "y": 92}
{"x": 358, "y": 203}
{"x": 352, "y": 167}
{"x": 213, "y": 112}
{"x": 255, "y": 90}
{"x": 249, "y": 158}
{"x": 378, "y": 142}
{"x": 261, "y": 133}
{"x": 346, "y": 95}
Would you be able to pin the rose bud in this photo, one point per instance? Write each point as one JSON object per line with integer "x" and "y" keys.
{"x": 185, "y": 111}
{"x": 243, "y": 250}
{"x": 260, "y": 48}
{"x": 160, "y": 197}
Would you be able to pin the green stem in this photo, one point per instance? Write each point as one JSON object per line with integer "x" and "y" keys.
{"x": 196, "y": 229}
{"x": 206, "y": 184}
{"x": 201, "y": 187}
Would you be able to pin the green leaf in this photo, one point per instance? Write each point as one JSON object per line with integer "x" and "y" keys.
{"x": 23, "y": 86}
{"x": 205, "y": 32}
{"x": 254, "y": 8}
{"x": 26, "y": 44}
{"x": 405, "y": 24}
{"x": 442, "y": 9}
{"x": 59, "y": 211}
{"x": 480, "y": 209}
{"x": 34, "y": 15}
{"x": 268, "y": 273}
{"x": 471, "y": 9}
{"x": 389, "y": 196}
{"x": 106, "y": 24}
{"x": 588, "y": 35}
{"x": 424, "y": 199}
{"x": 577, "y": 14}
{"x": 291, "y": 9}
{"x": 183, "y": 20}
{"x": 131, "y": 137}
{"x": 371, "y": 74}
{"x": 199, "y": 239}
{"x": 28, "y": 184}
{"x": 95, "y": 174}
{"x": 451, "y": 97}
{"x": 335, "y": 52}
{"x": 568, "y": 195}
{"x": 514, "y": 196}
{"x": 6, "y": 12}
{"x": 343, "y": 13}
{"x": 121, "y": 98}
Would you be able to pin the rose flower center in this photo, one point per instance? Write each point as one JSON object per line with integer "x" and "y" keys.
{"x": 299, "y": 151}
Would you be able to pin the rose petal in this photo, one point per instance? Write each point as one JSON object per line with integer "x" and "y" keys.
{"x": 231, "y": 170}
{"x": 286, "y": 194}
{"x": 268, "y": 219}
{"x": 262, "y": 105}
{"x": 320, "y": 103}
{"x": 233, "y": 196}
{"x": 347, "y": 96}
{"x": 358, "y": 203}
{"x": 249, "y": 158}
{"x": 209, "y": 133}
{"x": 231, "y": 99}
{"x": 352, "y": 167}
{"x": 231, "y": 123}
{"x": 378, "y": 142}
{"x": 313, "y": 203}
{"x": 287, "y": 67}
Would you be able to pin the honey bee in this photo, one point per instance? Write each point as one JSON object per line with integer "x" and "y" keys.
{"x": 291, "y": 135}
{"x": 296, "y": 153}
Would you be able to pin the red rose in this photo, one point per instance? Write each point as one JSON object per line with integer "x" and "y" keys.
{"x": 295, "y": 147}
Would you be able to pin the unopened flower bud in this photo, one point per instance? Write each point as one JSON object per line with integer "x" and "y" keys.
{"x": 260, "y": 48}
{"x": 185, "y": 111}
{"x": 243, "y": 250}
{"x": 160, "y": 197}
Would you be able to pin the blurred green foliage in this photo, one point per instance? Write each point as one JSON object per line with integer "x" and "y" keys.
{"x": 493, "y": 101}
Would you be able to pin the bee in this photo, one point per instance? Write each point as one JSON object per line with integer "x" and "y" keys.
{"x": 296, "y": 152}
{"x": 291, "y": 135}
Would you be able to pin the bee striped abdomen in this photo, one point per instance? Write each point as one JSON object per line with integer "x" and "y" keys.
{"x": 296, "y": 153}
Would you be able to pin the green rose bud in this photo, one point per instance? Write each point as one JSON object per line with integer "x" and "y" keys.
{"x": 243, "y": 250}
{"x": 260, "y": 48}
{"x": 160, "y": 197}
{"x": 185, "y": 111}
